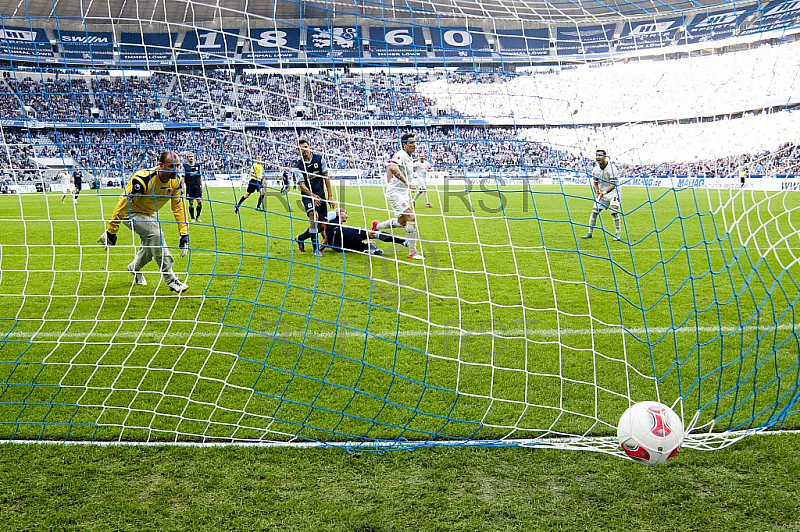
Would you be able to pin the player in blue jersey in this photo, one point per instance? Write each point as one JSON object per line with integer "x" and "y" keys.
{"x": 312, "y": 172}
{"x": 192, "y": 184}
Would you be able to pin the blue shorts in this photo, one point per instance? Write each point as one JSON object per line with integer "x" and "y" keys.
{"x": 194, "y": 192}
{"x": 322, "y": 208}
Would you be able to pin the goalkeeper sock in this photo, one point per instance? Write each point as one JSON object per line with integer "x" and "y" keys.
{"x": 383, "y": 237}
{"x": 412, "y": 237}
{"x": 241, "y": 200}
{"x": 191, "y": 212}
{"x": 592, "y": 221}
{"x": 260, "y": 201}
{"x": 199, "y": 208}
{"x": 388, "y": 224}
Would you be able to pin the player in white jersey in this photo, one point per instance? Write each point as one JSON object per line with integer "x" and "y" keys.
{"x": 421, "y": 169}
{"x": 398, "y": 177}
{"x": 605, "y": 181}
{"x": 62, "y": 178}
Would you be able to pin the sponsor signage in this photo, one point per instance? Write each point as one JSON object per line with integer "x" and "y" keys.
{"x": 333, "y": 41}
{"x": 460, "y": 42}
{"x": 526, "y": 43}
{"x": 777, "y": 16}
{"x": 584, "y": 40}
{"x": 273, "y": 43}
{"x": 202, "y": 46}
{"x": 86, "y": 47}
{"x": 715, "y": 26}
{"x": 25, "y": 43}
{"x": 146, "y": 48}
{"x": 396, "y": 41}
{"x": 648, "y": 34}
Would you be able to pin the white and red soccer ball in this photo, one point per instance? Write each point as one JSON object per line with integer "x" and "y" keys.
{"x": 650, "y": 432}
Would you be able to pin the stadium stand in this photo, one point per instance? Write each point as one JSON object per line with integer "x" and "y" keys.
{"x": 74, "y": 101}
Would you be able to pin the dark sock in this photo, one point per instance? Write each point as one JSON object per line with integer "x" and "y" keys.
{"x": 199, "y": 208}
{"x": 260, "y": 201}
{"x": 383, "y": 237}
{"x": 304, "y": 236}
{"x": 313, "y": 240}
{"x": 241, "y": 200}
{"x": 191, "y": 212}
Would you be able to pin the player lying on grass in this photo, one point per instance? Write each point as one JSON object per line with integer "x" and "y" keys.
{"x": 343, "y": 238}
{"x": 146, "y": 192}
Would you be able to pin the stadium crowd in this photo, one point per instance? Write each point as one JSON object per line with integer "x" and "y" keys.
{"x": 760, "y": 78}
{"x": 590, "y": 94}
{"x": 114, "y": 154}
{"x": 213, "y": 95}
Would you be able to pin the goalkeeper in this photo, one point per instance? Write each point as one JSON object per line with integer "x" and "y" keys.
{"x": 146, "y": 192}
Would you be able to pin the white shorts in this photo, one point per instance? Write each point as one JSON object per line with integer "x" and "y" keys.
{"x": 398, "y": 201}
{"x": 421, "y": 185}
{"x": 609, "y": 201}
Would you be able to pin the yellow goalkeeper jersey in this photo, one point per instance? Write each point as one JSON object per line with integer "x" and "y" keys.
{"x": 152, "y": 194}
{"x": 256, "y": 171}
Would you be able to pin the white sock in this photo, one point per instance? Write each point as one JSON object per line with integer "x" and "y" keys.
{"x": 412, "y": 236}
{"x": 389, "y": 224}
{"x": 616, "y": 221}
{"x": 592, "y": 221}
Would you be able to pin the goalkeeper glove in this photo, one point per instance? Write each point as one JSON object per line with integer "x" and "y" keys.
{"x": 107, "y": 239}
{"x": 184, "y": 245}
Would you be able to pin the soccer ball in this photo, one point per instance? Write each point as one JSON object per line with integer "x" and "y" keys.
{"x": 650, "y": 432}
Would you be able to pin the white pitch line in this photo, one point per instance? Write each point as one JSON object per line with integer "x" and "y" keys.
{"x": 47, "y": 337}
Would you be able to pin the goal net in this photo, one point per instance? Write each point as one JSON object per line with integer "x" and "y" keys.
{"x": 515, "y": 328}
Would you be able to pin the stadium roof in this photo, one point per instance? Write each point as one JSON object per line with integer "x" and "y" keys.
{"x": 217, "y": 11}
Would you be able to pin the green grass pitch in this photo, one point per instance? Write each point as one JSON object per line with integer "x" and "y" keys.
{"x": 513, "y": 327}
